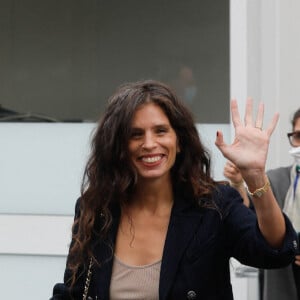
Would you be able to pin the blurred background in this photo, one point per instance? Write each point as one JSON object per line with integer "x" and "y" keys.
{"x": 65, "y": 58}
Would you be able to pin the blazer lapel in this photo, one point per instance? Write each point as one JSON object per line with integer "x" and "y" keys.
{"x": 102, "y": 274}
{"x": 104, "y": 253}
{"x": 185, "y": 219}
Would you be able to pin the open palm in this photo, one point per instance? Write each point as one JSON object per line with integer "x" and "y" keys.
{"x": 250, "y": 146}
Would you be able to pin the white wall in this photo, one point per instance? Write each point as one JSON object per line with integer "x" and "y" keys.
{"x": 40, "y": 174}
{"x": 289, "y": 66}
{"x": 44, "y": 161}
{"x": 264, "y": 55}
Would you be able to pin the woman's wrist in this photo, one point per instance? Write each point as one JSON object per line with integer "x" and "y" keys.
{"x": 256, "y": 182}
{"x": 258, "y": 192}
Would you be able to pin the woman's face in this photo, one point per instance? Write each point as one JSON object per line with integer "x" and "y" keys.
{"x": 153, "y": 143}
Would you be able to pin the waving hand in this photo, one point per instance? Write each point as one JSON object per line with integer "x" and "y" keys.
{"x": 250, "y": 146}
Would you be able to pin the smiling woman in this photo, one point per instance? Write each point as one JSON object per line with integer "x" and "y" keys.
{"x": 151, "y": 223}
{"x": 153, "y": 144}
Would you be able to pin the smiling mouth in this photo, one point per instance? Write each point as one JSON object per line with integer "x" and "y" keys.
{"x": 151, "y": 159}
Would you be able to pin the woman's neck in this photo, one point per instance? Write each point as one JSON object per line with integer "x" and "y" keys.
{"x": 153, "y": 198}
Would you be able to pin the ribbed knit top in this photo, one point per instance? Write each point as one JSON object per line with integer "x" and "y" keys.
{"x": 134, "y": 282}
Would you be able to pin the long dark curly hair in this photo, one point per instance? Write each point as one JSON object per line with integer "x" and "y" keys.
{"x": 109, "y": 177}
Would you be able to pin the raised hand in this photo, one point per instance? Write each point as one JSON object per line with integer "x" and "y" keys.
{"x": 250, "y": 146}
{"x": 249, "y": 153}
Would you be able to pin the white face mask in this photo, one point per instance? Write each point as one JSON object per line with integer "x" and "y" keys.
{"x": 295, "y": 153}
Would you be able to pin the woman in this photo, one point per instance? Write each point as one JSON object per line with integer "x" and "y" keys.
{"x": 280, "y": 284}
{"x": 151, "y": 223}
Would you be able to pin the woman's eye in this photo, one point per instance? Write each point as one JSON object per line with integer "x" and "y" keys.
{"x": 135, "y": 134}
{"x": 161, "y": 130}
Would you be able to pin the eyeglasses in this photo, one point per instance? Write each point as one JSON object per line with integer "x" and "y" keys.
{"x": 294, "y": 138}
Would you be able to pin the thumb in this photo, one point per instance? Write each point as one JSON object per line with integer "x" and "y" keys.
{"x": 219, "y": 140}
{"x": 220, "y": 143}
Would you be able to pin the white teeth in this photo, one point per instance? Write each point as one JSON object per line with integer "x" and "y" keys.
{"x": 151, "y": 159}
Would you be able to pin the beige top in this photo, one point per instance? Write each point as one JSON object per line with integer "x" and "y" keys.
{"x": 134, "y": 282}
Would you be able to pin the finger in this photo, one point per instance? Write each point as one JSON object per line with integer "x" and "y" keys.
{"x": 273, "y": 124}
{"x": 234, "y": 168}
{"x": 227, "y": 169}
{"x": 229, "y": 164}
{"x": 219, "y": 140}
{"x": 260, "y": 116}
{"x": 248, "y": 113}
{"x": 223, "y": 147}
{"x": 227, "y": 172}
{"x": 235, "y": 115}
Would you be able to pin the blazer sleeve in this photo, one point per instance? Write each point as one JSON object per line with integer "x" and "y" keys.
{"x": 245, "y": 241}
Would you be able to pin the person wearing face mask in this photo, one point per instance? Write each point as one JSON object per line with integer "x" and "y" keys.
{"x": 284, "y": 283}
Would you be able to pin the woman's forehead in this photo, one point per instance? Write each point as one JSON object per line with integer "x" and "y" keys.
{"x": 150, "y": 112}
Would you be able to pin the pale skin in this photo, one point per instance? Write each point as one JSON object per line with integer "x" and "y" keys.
{"x": 234, "y": 175}
{"x": 153, "y": 148}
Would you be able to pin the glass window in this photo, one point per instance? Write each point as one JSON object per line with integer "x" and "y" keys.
{"x": 62, "y": 59}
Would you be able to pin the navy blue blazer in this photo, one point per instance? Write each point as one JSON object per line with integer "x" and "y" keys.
{"x": 198, "y": 246}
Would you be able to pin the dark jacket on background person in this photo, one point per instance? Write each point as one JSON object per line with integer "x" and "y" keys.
{"x": 198, "y": 246}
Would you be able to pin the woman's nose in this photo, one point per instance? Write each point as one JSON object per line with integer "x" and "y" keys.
{"x": 149, "y": 141}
